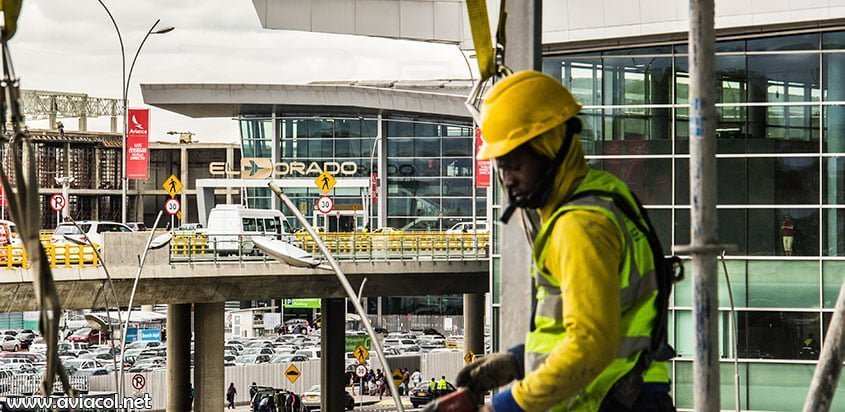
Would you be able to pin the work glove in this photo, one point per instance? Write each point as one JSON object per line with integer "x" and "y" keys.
{"x": 489, "y": 372}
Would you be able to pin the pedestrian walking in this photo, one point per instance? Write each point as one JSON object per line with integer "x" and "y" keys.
{"x": 406, "y": 380}
{"x": 230, "y": 396}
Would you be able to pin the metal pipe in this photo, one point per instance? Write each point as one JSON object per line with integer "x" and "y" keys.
{"x": 347, "y": 287}
{"x": 702, "y": 122}
{"x": 829, "y": 368}
{"x": 122, "y": 388}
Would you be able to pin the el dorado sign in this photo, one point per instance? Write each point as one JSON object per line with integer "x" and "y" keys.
{"x": 262, "y": 168}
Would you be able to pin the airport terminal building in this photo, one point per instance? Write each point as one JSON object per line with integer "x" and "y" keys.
{"x": 781, "y": 144}
{"x": 401, "y": 154}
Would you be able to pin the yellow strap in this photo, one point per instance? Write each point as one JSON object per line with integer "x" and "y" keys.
{"x": 11, "y": 9}
{"x": 480, "y": 25}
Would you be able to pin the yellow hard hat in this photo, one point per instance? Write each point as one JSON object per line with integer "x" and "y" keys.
{"x": 521, "y": 107}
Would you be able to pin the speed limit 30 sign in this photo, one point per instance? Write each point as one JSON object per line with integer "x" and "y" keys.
{"x": 172, "y": 206}
{"x": 325, "y": 204}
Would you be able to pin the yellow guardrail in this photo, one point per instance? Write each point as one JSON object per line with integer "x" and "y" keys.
{"x": 396, "y": 242}
{"x": 188, "y": 244}
{"x": 69, "y": 255}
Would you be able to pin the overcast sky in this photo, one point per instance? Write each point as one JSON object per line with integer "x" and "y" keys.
{"x": 71, "y": 46}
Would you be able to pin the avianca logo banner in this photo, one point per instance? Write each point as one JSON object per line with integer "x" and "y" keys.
{"x": 137, "y": 144}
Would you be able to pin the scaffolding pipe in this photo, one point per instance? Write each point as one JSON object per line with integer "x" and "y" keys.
{"x": 829, "y": 368}
{"x": 703, "y": 248}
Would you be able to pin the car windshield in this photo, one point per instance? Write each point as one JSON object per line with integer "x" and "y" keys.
{"x": 246, "y": 359}
{"x": 315, "y": 388}
{"x": 67, "y": 229}
{"x": 82, "y": 332}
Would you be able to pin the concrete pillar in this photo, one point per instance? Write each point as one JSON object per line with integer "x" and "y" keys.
{"x": 183, "y": 176}
{"x": 523, "y": 28}
{"x": 332, "y": 363}
{"x": 473, "y": 323}
{"x": 230, "y": 165}
{"x": 178, "y": 357}
{"x": 208, "y": 356}
{"x": 95, "y": 214}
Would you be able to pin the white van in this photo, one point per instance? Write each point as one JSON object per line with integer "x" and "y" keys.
{"x": 466, "y": 227}
{"x": 227, "y": 224}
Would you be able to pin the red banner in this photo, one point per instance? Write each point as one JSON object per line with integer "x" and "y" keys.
{"x": 137, "y": 144}
{"x": 482, "y": 167}
{"x": 374, "y": 187}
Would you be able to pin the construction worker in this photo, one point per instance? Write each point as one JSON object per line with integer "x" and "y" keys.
{"x": 442, "y": 386}
{"x": 594, "y": 309}
{"x": 432, "y": 386}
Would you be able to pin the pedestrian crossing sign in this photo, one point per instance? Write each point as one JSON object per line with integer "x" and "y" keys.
{"x": 361, "y": 353}
{"x": 325, "y": 182}
{"x": 172, "y": 185}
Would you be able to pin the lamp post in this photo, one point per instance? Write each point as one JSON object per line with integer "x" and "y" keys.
{"x": 125, "y": 90}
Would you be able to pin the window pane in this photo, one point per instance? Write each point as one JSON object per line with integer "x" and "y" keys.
{"x": 731, "y": 79}
{"x": 649, "y": 179}
{"x": 583, "y": 78}
{"x": 454, "y": 146}
{"x": 457, "y": 167}
{"x": 638, "y": 80}
{"x": 737, "y": 273}
{"x": 833, "y": 275}
{"x": 400, "y": 129}
{"x": 808, "y": 41}
{"x": 783, "y": 284}
{"x": 778, "y": 387}
{"x": 427, "y": 167}
{"x": 347, "y": 128}
{"x": 457, "y": 187}
{"x": 413, "y": 187}
{"x": 765, "y": 228}
{"x": 775, "y": 335}
{"x": 636, "y": 131}
{"x": 783, "y": 78}
{"x": 684, "y": 385}
{"x": 833, "y": 232}
{"x": 400, "y": 148}
{"x": 834, "y": 126}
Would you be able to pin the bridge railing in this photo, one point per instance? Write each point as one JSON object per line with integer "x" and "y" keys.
{"x": 59, "y": 255}
{"x": 345, "y": 246}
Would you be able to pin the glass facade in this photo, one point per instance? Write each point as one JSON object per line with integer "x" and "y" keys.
{"x": 429, "y": 166}
{"x": 780, "y": 145}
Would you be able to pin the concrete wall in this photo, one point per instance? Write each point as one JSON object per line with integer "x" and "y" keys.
{"x": 576, "y": 20}
{"x": 431, "y": 365}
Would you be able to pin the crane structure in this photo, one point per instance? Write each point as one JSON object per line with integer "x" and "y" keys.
{"x": 42, "y": 104}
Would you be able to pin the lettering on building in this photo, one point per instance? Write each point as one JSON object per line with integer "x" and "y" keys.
{"x": 262, "y": 168}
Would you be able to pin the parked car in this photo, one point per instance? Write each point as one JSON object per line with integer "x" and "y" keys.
{"x": 85, "y": 367}
{"x": 310, "y": 353}
{"x": 421, "y": 395}
{"x": 311, "y": 399}
{"x": 288, "y": 358}
{"x": 252, "y": 359}
{"x": 137, "y": 226}
{"x": 39, "y": 345}
{"x": 26, "y": 337}
{"x": 143, "y": 344}
{"x": 90, "y": 336}
{"x": 466, "y": 227}
{"x": 9, "y": 342}
{"x": 67, "y": 233}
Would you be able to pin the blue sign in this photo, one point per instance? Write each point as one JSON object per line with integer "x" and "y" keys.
{"x": 144, "y": 335}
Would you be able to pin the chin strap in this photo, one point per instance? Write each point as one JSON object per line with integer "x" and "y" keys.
{"x": 543, "y": 188}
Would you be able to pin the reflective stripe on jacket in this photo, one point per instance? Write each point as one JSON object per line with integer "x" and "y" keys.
{"x": 586, "y": 218}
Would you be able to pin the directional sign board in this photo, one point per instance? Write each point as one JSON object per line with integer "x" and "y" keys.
{"x": 138, "y": 381}
{"x": 172, "y": 185}
{"x": 361, "y": 353}
{"x": 172, "y": 206}
{"x": 292, "y": 373}
{"x": 325, "y": 204}
{"x": 361, "y": 371}
{"x": 58, "y": 202}
{"x": 325, "y": 182}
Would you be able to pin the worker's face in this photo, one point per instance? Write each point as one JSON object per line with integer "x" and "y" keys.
{"x": 520, "y": 171}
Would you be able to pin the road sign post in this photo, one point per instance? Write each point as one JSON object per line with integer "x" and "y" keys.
{"x": 325, "y": 182}
{"x": 57, "y": 203}
{"x": 292, "y": 373}
{"x": 172, "y": 207}
{"x": 325, "y": 204}
{"x": 361, "y": 372}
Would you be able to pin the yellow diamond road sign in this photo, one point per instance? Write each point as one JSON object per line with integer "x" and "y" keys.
{"x": 292, "y": 373}
{"x": 325, "y": 182}
{"x": 361, "y": 353}
{"x": 469, "y": 357}
{"x": 172, "y": 185}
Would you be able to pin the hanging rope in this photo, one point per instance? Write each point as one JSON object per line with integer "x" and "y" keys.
{"x": 25, "y": 205}
{"x": 491, "y": 60}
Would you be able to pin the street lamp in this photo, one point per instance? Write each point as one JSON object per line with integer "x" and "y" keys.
{"x": 125, "y": 89}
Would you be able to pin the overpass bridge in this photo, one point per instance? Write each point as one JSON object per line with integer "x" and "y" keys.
{"x": 195, "y": 280}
